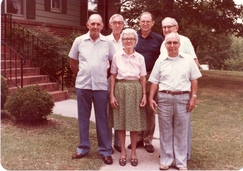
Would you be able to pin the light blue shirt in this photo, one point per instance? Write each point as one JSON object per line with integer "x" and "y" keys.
{"x": 93, "y": 60}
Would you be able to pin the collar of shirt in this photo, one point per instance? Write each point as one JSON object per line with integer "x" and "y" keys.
{"x": 128, "y": 56}
{"x": 113, "y": 39}
{"x": 140, "y": 34}
{"x": 101, "y": 37}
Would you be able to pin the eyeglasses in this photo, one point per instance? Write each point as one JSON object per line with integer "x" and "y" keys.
{"x": 168, "y": 27}
{"x": 147, "y": 22}
{"x": 170, "y": 43}
{"x": 117, "y": 22}
{"x": 128, "y": 39}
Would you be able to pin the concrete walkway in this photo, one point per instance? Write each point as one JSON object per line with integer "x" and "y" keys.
{"x": 147, "y": 161}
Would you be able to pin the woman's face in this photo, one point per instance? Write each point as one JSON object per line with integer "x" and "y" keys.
{"x": 128, "y": 41}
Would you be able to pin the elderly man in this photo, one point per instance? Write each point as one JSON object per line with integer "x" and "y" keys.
{"x": 149, "y": 46}
{"x": 89, "y": 58}
{"x": 116, "y": 24}
{"x": 170, "y": 25}
{"x": 175, "y": 78}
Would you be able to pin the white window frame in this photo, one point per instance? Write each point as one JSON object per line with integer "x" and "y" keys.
{"x": 15, "y": 14}
{"x": 56, "y": 9}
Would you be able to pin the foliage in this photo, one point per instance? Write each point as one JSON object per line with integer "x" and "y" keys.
{"x": 4, "y": 91}
{"x": 235, "y": 62}
{"x": 204, "y": 22}
{"x": 29, "y": 104}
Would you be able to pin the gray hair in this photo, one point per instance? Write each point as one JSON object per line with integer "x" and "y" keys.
{"x": 170, "y": 20}
{"x": 172, "y": 34}
{"x": 116, "y": 15}
{"x": 130, "y": 31}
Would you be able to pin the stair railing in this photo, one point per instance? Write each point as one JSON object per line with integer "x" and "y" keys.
{"x": 32, "y": 48}
{"x": 15, "y": 63}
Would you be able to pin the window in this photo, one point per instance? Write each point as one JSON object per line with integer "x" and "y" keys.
{"x": 56, "y": 5}
{"x": 14, "y": 7}
{"x": 93, "y": 5}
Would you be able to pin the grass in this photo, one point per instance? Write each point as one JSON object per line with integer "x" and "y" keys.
{"x": 217, "y": 137}
{"x": 47, "y": 146}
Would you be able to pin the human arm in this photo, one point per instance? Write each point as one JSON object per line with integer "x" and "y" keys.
{"x": 192, "y": 102}
{"x": 113, "y": 101}
{"x": 153, "y": 90}
{"x": 74, "y": 66}
{"x": 143, "y": 84}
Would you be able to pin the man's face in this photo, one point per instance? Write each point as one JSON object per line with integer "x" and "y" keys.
{"x": 168, "y": 27}
{"x": 117, "y": 25}
{"x": 146, "y": 23}
{"x": 172, "y": 45}
{"x": 94, "y": 25}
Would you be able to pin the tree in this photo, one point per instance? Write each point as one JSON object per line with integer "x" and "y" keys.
{"x": 200, "y": 20}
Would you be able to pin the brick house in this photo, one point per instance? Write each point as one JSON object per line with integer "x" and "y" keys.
{"x": 19, "y": 47}
{"x": 61, "y": 16}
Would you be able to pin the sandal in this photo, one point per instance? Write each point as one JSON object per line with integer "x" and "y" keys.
{"x": 134, "y": 161}
{"x": 163, "y": 167}
{"x": 122, "y": 161}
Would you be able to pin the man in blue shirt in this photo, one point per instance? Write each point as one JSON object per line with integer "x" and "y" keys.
{"x": 148, "y": 45}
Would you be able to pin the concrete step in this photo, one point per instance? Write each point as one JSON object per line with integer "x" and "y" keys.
{"x": 14, "y": 63}
{"x": 59, "y": 95}
{"x": 17, "y": 71}
{"x": 28, "y": 80}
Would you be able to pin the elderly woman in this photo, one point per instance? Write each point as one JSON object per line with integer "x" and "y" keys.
{"x": 128, "y": 93}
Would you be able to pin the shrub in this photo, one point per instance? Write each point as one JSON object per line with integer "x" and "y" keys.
{"x": 30, "y": 104}
{"x": 4, "y": 91}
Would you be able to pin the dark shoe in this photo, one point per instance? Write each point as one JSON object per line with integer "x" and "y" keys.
{"x": 108, "y": 160}
{"x": 122, "y": 161}
{"x": 134, "y": 161}
{"x": 139, "y": 144}
{"x": 118, "y": 148}
{"x": 149, "y": 148}
{"x": 77, "y": 156}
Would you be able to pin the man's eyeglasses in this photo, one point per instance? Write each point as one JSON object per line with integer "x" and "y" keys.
{"x": 168, "y": 27}
{"x": 128, "y": 39}
{"x": 170, "y": 43}
{"x": 145, "y": 22}
{"x": 117, "y": 22}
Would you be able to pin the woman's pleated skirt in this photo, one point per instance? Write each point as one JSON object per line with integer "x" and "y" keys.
{"x": 128, "y": 115}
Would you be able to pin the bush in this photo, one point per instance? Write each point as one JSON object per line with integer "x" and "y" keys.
{"x": 4, "y": 91}
{"x": 30, "y": 104}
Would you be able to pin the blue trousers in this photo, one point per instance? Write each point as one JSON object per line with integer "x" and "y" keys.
{"x": 84, "y": 100}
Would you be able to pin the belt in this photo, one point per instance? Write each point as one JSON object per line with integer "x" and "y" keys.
{"x": 175, "y": 92}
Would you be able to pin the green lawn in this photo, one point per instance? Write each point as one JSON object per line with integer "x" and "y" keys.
{"x": 217, "y": 138}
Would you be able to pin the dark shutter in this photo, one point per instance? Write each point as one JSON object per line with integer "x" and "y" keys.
{"x": 64, "y": 6}
{"x": 83, "y": 12}
{"x": 30, "y": 9}
{"x": 48, "y": 5}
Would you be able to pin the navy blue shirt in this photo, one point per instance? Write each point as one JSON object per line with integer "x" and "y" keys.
{"x": 149, "y": 47}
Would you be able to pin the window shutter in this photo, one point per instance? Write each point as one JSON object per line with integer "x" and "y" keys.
{"x": 48, "y": 5}
{"x": 30, "y": 9}
{"x": 83, "y": 12}
{"x": 64, "y": 6}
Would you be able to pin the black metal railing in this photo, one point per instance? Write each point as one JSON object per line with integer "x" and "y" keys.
{"x": 12, "y": 65}
{"x": 32, "y": 48}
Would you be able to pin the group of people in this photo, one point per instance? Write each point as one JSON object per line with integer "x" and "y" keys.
{"x": 127, "y": 75}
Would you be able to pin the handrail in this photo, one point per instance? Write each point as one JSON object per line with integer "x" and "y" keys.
{"x": 32, "y": 48}
{"x": 14, "y": 57}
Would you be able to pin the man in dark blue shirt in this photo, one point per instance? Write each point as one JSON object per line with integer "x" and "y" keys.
{"x": 148, "y": 45}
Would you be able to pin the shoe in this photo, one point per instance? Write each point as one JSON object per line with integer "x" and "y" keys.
{"x": 163, "y": 167}
{"x": 108, "y": 160}
{"x": 139, "y": 144}
{"x": 182, "y": 168}
{"x": 149, "y": 148}
{"x": 77, "y": 156}
{"x": 122, "y": 161}
{"x": 118, "y": 148}
{"x": 134, "y": 161}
